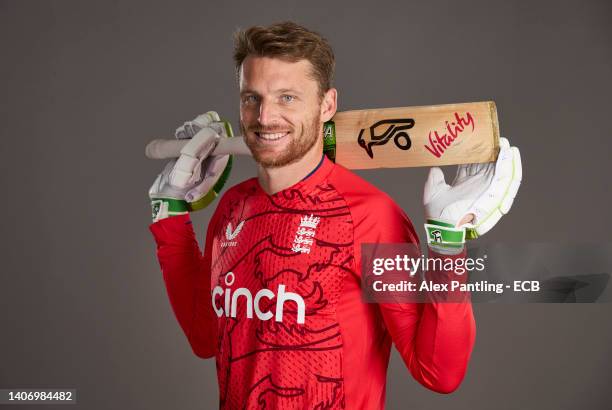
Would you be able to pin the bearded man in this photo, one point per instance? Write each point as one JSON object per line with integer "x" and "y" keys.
{"x": 275, "y": 296}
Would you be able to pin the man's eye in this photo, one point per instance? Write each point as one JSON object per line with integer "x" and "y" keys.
{"x": 287, "y": 98}
{"x": 249, "y": 99}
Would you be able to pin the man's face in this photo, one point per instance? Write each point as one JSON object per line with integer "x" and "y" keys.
{"x": 280, "y": 109}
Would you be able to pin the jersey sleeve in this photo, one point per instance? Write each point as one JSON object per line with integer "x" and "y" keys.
{"x": 186, "y": 273}
{"x": 434, "y": 339}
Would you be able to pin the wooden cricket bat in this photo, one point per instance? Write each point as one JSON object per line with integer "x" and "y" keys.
{"x": 392, "y": 137}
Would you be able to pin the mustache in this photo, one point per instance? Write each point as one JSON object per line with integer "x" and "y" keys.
{"x": 269, "y": 130}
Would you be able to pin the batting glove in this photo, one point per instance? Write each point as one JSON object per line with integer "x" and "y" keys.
{"x": 194, "y": 180}
{"x": 486, "y": 191}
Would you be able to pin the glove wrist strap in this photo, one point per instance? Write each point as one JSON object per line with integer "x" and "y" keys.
{"x": 444, "y": 234}
{"x": 165, "y": 207}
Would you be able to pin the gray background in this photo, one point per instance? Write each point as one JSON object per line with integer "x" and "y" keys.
{"x": 86, "y": 84}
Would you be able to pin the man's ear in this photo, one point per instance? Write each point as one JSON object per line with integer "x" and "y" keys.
{"x": 329, "y": 104}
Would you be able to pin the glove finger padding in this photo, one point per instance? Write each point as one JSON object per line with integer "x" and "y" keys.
{"x": 217, "y": 170}
{"x": 162, "y": 188}
{"x": 188, "y": 166}
{"x": 191, "y": 128}
{"x": 211, "y": 172}
{"x": 497, "y": 199}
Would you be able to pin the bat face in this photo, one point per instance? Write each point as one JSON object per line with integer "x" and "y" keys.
{"x": 415, "y": 136}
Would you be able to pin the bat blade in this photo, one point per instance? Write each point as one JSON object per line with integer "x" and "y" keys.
{"x": 421, "y": 136}
{"x": 416, "y": 136}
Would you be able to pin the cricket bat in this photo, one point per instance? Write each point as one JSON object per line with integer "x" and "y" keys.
{"x": 422, "y": 136}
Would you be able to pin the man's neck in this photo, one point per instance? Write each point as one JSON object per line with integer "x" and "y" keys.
{"x": 273, "y": 180}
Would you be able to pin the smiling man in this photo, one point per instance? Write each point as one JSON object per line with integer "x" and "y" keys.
{"x": 284, "y": 102}
{"x": 276, "y": 295}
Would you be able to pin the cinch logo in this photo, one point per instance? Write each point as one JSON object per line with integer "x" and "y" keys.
{"x": 230, "y": 234}
{"x": 253, "y": 303}
{"x": 382, "y": 131}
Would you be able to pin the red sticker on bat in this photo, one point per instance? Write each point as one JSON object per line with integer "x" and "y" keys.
{"x": 438, "y": 143}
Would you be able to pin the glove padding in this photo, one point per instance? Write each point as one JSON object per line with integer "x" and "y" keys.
{"x": 194, "y": 180}
{"x": 191, "y": 128}
{"x": 196, "y": 171}
{"x": 166, "y": 199}
{"x": 485, "y": 190}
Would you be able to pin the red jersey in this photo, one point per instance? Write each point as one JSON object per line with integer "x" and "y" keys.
{"x": 276, "y": 297}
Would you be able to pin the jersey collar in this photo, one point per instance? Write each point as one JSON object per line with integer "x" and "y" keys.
{"x": 311, "y": 180}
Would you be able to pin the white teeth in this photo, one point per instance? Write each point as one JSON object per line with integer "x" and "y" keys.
{"x": 272, "y": 137}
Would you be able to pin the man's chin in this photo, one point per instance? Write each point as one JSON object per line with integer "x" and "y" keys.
{"x": 276, "y": 160}
{"x": 272, "y": 156}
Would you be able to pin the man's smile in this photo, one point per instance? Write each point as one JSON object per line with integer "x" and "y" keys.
{"x": 271, "y": 137}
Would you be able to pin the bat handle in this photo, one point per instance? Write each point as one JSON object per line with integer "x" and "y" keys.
{"x": 165, "y": 148}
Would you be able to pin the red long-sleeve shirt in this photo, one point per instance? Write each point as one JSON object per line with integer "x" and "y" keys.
{"x": 276, "y": 297}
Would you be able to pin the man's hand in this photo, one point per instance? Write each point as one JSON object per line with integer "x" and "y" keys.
{"x": 192, "y": 181}
{"x": 476, "y": 200}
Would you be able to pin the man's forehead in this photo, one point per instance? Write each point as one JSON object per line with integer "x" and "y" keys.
{"x": 275, "y": 74}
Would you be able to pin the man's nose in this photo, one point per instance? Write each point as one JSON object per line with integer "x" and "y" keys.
{"x": 268, "y": 113}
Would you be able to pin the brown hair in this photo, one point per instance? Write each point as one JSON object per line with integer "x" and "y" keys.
{"x": 290, "y": 42}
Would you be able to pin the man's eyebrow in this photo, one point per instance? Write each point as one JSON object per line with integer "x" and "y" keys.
{"x": 288, "y": 91}
{"x": 279, "y": 91}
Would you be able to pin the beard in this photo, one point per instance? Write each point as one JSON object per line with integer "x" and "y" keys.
{"x": 297, "y": 147}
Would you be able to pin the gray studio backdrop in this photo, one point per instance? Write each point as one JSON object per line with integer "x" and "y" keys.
{"x": 85, "y": 84}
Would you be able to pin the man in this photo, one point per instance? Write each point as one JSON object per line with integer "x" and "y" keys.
{"x": 276, "y": 294}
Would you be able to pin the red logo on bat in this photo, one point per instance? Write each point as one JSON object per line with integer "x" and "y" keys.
{"x": 438, "y": 143}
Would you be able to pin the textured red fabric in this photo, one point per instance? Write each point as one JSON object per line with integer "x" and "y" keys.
{"x": 304, "y": 243}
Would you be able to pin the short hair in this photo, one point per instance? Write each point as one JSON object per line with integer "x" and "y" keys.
{"x": 287, "y": 41}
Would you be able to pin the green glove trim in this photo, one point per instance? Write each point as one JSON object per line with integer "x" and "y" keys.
{"x": 470, "y": 233}
{"x": 444, "y": 234}
{"x": 439, "y": 223}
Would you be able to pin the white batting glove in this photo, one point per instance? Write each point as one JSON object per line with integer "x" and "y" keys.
{"x": 197, "y": 171}
{"x": 486, "y": 191}
{"x": 194, "y": 180}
